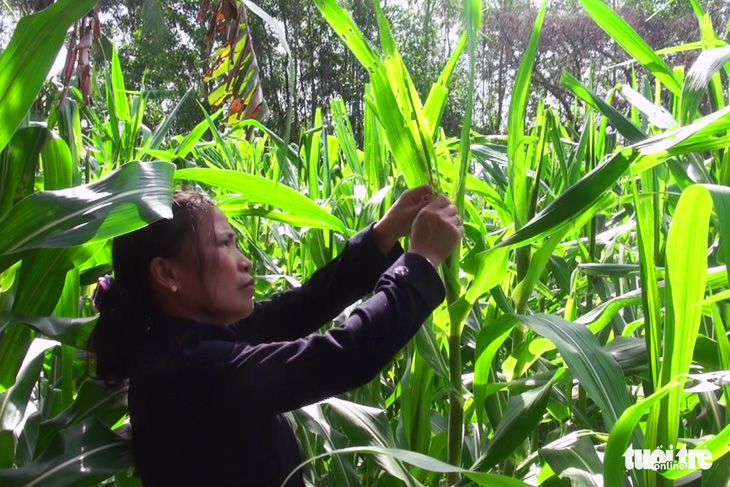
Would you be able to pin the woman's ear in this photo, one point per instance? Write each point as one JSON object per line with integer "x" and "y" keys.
{"x": 164, "y": 273}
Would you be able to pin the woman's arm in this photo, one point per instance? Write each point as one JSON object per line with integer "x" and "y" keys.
{"x": 297, "y": 312}
{"x": 276, "y": 377}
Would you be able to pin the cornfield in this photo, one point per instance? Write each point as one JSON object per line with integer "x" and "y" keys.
{"x": 587, "y": 306}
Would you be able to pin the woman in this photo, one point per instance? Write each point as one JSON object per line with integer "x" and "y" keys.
{"x": 211, "y": 372}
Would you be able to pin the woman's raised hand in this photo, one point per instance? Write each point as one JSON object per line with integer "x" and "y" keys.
{"x": 436, "y": 230}
{"x": 398, "y": 220}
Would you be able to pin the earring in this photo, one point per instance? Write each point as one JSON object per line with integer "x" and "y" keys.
{"x": 173, "y": 289}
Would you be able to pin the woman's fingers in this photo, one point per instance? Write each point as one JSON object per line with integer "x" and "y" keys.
{"x": 436, "y": 230}
{"x": 423, "y": 190}
{"x": 419, "y": 193}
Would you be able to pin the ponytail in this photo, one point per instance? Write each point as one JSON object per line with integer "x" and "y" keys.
{"x": 119, "y": 330}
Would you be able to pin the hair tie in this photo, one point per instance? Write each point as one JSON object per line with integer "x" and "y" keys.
{"x": 103, "y": 286}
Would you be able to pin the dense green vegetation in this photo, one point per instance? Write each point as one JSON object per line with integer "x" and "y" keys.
{"x": 587, "y": 307}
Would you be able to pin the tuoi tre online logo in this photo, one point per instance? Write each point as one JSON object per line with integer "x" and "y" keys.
{"x": 665, "y": 459}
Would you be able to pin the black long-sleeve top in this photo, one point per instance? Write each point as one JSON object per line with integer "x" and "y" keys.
{"x": 206, "y": 401}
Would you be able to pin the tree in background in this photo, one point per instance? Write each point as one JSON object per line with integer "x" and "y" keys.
{"x": 160, "y": 44}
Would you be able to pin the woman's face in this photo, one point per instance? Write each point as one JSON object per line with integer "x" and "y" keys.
{"x": 229, "y": 286}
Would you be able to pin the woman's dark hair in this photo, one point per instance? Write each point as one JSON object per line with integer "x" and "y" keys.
{"x": 125, "y": 302}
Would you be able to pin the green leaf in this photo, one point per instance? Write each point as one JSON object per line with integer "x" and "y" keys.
{"x": 629, "y": 353}
{"x": 394, "y": 96}
{"x": 647, "y": 228}
{"x": 524, "y": 412}
{"x": 421, "y": 461}
{"x": 134, "y": 195}
{"x": 620, "y": 435}
{"x": 473, "y": 20}
{"x": 265, "y": 191}
{"x": 517, "y": 169}
{"x": 623, "y": 125}
{"x": 121, "y": 105}
{"x": 631, "y": 42}
{"x": 313, "y": 146}
{"x": 344, "y": 27}
{"x": 539, "y": 260}
{"x": 57, "y": 165}
{"x": 18, "y": 164}
{"x": 686, "y": 255}
{"x": 392, "y": 82}
{"x": 574, "y": 457}
{"x": 367, "y": 424}
{"x": 312, "y": 418}
{"x": 574, "y": 201}
{"x": 80, "y": 456}
{"x": 489, "y": 340}
{"x": 345, "y": 135}
{"x": 194, "y": 136}
{"x": 491, "y": 268}
{"x": 426, "y": 343}
{"x": 417, "y": 403}
{"x": 65, "y": 330}
{"x": 25, "y": 63}
{"x": 107, "y": 406}
{"x": 695, "y": 83}
{"x": 164, "y": 128}
{"x": 40, "y": 285}
{"x": 594, "y": 368}
{"x": 433, "y": 109}
{"x": 718, "y": 446}
{"x": 221, "y": 146}
{"x": 657, "y": 115}
{"x": 706, "y": 133}
{"x": 14, "y": 401}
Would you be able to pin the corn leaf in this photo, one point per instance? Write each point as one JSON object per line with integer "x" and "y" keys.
{"x": 574, "y": 457}
{"x": 134, "y": 195}
{"x": 14, "y": 401}
{"x": 489, "y": 340}
{"x": 424, "y": 462}
{"x": 686, "y": 276}
{"x": 699, "y": 76}
{"x": 26, "y": 61}
{"x": 517, "y": 169}
{"x": 595, "y": 369}
{"x": 433, "y": 109}
{"x": 80, "y": 456}
{"x": 624, "y": 126}
{"x": 718, "y": 446}
{"x": 524, "y": 412}
{"x": 620, "y": 435}
{"x": 93, "y": 399}
{"x": 119, "y": 92}
{"x": 257, "y": 189}
{"x": 64, "y": 330}
{"x": 631, "y": 42}
{"x": 344, "y": 27}
{"x": 657, "y": 115}
{"x": 57, "y": 165}
{"x": 18, "y": 164}
{"x": 575, "y": 200}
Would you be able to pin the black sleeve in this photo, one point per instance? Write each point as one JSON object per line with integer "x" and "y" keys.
{"x": 276, "y": 377}
{"x": 297, "y": 312}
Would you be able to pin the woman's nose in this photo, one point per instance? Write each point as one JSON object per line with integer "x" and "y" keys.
{"x": 244, "y": 263}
